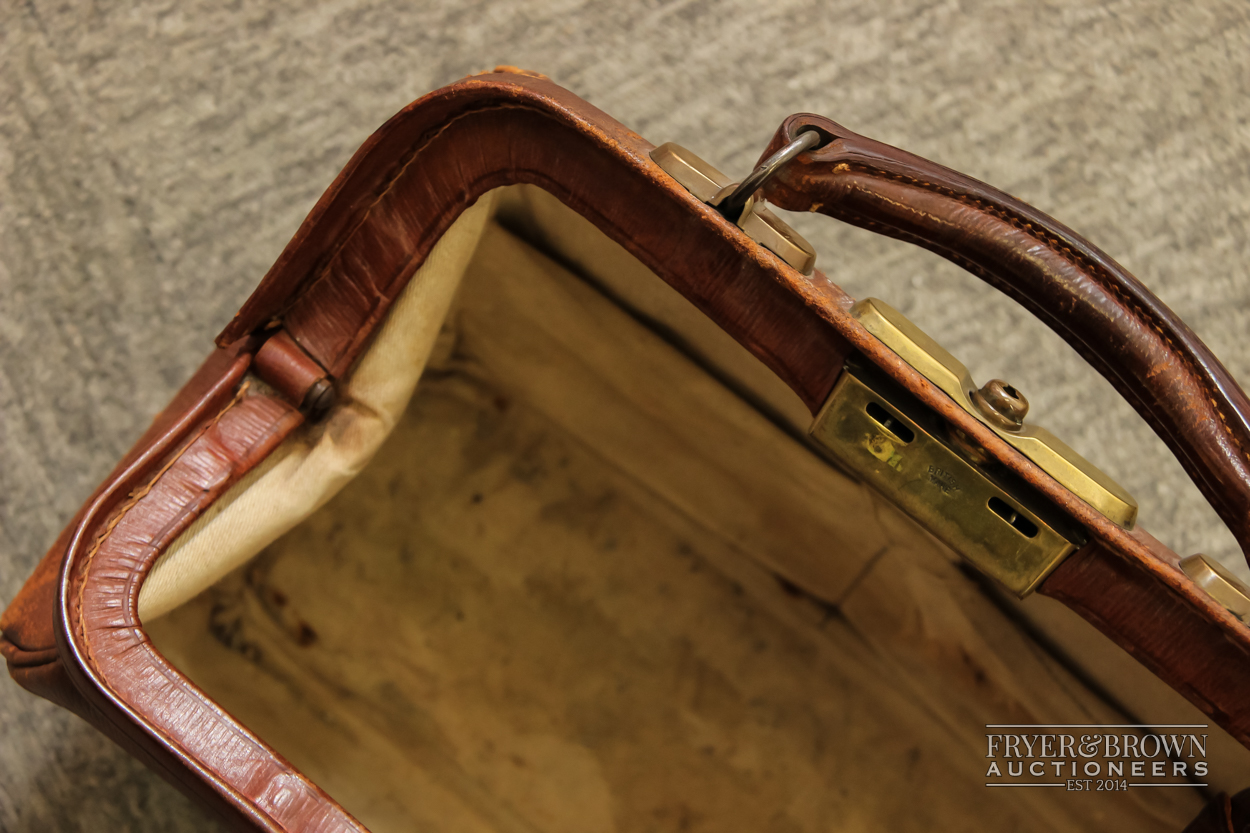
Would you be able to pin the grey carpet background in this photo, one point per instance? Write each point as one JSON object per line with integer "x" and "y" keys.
{"x": 156, "y": 156}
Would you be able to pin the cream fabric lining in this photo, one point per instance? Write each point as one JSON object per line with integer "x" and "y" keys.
{"x": 572, "y": 503}
{"x": 550, "y": 602}
{"x": 313, "y": 465}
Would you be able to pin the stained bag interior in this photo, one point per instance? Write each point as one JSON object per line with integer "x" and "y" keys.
{"x": 591, "y": 576}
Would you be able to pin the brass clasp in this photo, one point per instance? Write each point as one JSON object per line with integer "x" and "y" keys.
{"x": 941, "y": 477}
{"x": 1219, "y": 584}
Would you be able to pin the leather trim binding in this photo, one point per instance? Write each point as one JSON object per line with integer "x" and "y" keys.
{"x": 1152, "y": 358}
{"x": 100, "y": 629}
{"x": 350, "y": 258}
{"x": 1120, "y": 328}
{"x": 330, "y": 288}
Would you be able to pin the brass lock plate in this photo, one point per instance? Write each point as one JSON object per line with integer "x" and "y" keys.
{"x": 1054, "y": 456}
{"x": 763, "y": 226}
{"x": 941, "y": 478}
{"x": 885, "y": 437}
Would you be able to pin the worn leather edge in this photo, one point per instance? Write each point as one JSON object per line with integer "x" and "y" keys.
{"x": 28, "y": 624}
{"x": 350, "y": 258}
{"x": 1126, "y": 333}
{"x": 822, "y": 311}
{"x": 41, "y": 663}
{"x": 1165, "y": 632}
{"x": 109, "y": 659}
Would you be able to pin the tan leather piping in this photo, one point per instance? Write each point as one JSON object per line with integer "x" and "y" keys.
{"x": 798, "y": 326}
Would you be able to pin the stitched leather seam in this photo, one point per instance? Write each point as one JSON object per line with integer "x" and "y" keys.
{"x": 387, "y": 186}
{"x": 970, "y": 266}
{"x": 1078, "y": 259}
{"x": 181, "y": 681}
{"x": 130, "y": 503}
{"x": 959, "y": 260}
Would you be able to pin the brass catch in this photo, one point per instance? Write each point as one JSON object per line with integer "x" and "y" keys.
{"x": 941, "y": 477}
{"x": 1219, "y": 584}
{"x": 711, "y": 187}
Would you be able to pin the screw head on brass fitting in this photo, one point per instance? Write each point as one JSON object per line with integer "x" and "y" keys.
{"x": 1003, "y": 405}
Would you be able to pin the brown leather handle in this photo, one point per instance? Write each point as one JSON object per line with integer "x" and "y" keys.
{"x": 1106, "y": 314}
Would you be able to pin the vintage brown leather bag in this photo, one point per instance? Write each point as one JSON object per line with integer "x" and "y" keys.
{"x": 599, "y": 576}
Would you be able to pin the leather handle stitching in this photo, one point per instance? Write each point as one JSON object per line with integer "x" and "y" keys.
{"x": 1061, "y": 246}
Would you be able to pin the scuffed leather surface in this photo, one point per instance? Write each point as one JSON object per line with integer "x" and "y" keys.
{"x": 416, "y": 174}
{"x": 202, "y": 749}
{"x": 330, "y": 291}
{"x": 1107, "y": 315}
{"x": 27, "y": 635}
{"x": 1174, "y": 634}
{"x": 160, "y": 160}
{"x": 1130, "y": 588}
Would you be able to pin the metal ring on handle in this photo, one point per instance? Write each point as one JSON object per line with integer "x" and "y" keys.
{"x": 731, "y": 206}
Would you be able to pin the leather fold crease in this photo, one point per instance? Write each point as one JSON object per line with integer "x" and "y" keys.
{"x": 360, "y": 292}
